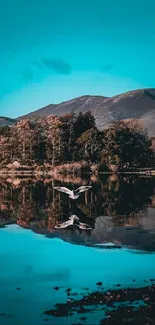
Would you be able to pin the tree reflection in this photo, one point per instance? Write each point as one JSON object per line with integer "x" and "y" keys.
{"x": 34, "y": 204}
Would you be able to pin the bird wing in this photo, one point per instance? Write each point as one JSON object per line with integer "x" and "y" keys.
{"x": 63, "y": 189}
{"x": 84, "y": 226}
{"x": 64, "y": 224}
{"x": 82, "y": 189}
{"x": 73, "y": 216}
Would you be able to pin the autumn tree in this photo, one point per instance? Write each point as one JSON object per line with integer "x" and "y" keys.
{"x": 90, "y": 144}
{"x": 73, "y": 126}
{"x": 83, "y": 122}
{"x": 126, "y": 146}
{"x": 7, "y": 143}
{"x": 51, "y": 126}
{"x": 69, "y": 138}
{"x": 68, "y": 135}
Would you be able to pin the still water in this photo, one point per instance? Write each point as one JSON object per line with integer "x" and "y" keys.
{"x": 41, "y": 266}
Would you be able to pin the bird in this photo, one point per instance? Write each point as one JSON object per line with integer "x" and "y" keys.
{"x": 67, "y": 223}
{"x": 74, "y": 217}
{"x": 73, "y": 221}
{"x": 73, "y": 194}
{"x": 84, "y": 226}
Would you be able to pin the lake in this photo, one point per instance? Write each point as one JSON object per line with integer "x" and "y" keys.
{"x": 60, "y": 276}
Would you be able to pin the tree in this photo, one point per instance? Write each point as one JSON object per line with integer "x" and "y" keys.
{"x": 126, "y": 146}
{"x": 83, "y": 122}
{"x": 90, "y": 144}
{"x": 72, "y": 128}
{"x": 67, "y": 136}
{"x": 52, "y": 129}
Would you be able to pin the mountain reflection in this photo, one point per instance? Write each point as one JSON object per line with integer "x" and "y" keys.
{"x": 119, "y": 210}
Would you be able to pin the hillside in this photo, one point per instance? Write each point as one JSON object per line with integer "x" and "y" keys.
{"x": 4, "y": 121}
{"x": 138, "y": 104}
{"x": 76, "y": 105}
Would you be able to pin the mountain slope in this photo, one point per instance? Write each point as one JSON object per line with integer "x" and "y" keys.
{"x": 4, "y": 121}
{"x": 80, "y": 104}
{"x": 138, "y": 104}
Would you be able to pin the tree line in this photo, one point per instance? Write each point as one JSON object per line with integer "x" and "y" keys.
{"x": 73, "y": 138}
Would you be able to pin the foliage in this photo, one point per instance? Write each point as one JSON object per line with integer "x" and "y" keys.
{"x": 125, "y": 146}
{"x": 71, "y": 139}
{"x": 90, "y": 143}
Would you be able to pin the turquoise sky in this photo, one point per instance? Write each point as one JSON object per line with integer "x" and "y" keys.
{"x": 54, "y": 50}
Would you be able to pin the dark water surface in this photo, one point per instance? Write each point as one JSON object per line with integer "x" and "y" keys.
{"x": 58, "y": 276}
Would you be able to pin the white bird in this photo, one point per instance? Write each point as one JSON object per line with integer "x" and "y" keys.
{"x": 67, "y": 223}
{"x": 75, "y": 193}
{"x": 84, "y": 226}
{"x": 72, "y": 219}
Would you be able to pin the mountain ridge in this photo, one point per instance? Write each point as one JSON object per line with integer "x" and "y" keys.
{"x": 135, "y": 104}
{"x": 78, "y": 102}
{"x": 5, "y": 121}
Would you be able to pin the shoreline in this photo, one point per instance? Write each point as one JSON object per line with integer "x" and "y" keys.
{"x": 73, "y": 169}
{"x": 44, "y": 173}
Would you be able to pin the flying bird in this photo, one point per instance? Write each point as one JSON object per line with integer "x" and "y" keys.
{"x": 84, "y": 226}
{"x": 73, "y": 221}
{"x": 67, "y": 223}
{"x": 75, "y": 193}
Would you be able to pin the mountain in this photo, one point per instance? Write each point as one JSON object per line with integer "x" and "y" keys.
{"x": 77, "y": 105}
{"x": 138, "y": 236}
{"x": 4, "y": 121}
{"x": 137, "y": 104}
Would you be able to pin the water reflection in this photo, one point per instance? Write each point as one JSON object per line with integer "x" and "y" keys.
{"x": 40, "y": 277}
{"x": 119, "y": 210}
{"x": 73, "y": 221}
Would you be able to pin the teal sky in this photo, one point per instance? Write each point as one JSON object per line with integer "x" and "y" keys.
{"x": 55, "y": 50}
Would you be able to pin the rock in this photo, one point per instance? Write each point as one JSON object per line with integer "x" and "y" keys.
{"x": 147, "y": 299}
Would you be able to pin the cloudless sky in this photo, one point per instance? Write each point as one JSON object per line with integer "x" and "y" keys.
{"x": 55, "y": 50}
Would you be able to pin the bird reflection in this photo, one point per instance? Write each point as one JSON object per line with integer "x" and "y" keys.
{"x": 73, "y": 194}
{"x": 73, "y": 221}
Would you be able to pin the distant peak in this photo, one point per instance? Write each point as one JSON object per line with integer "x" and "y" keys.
{"x": 139, "y": 91}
